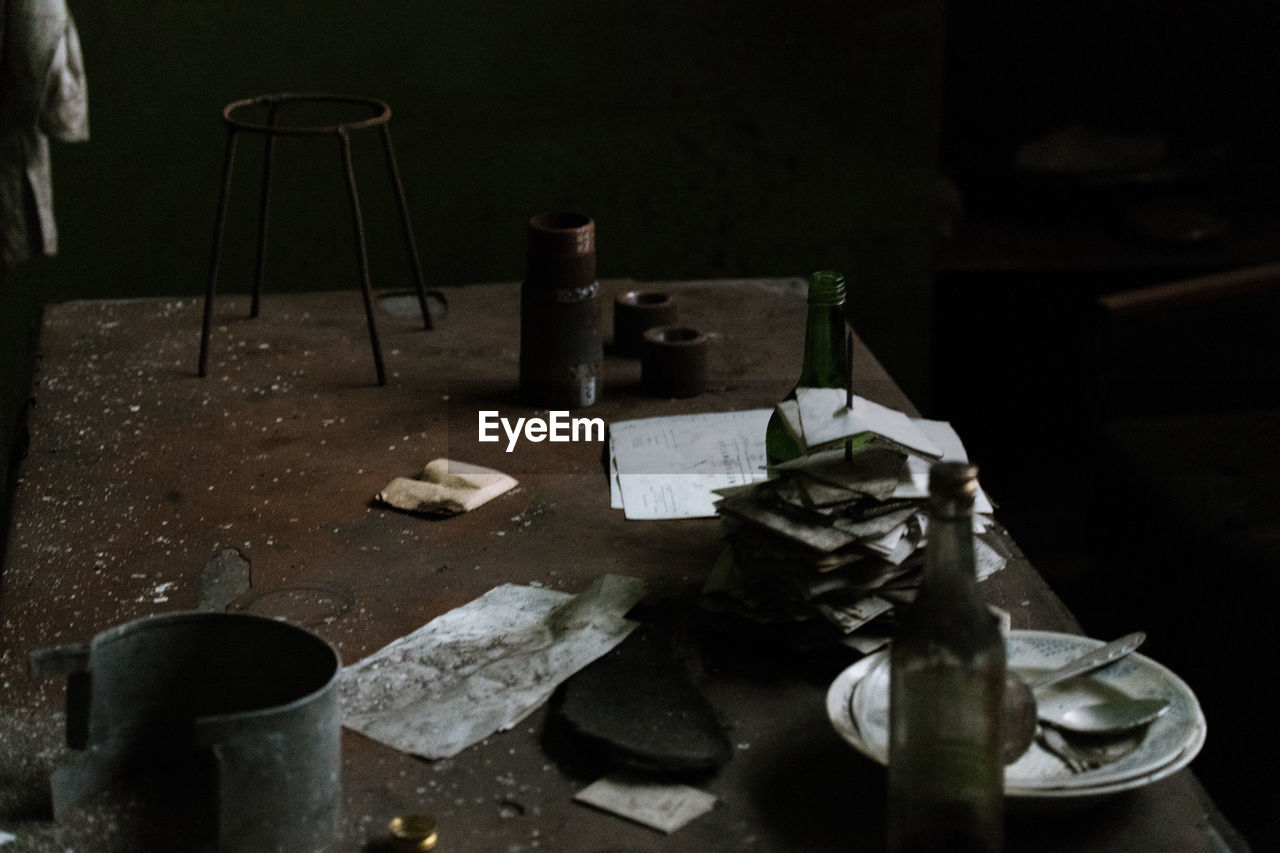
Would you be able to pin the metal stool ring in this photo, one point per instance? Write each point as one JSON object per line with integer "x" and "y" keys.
{"x": 235, "y": 125}
{"x": 382, "y": 114}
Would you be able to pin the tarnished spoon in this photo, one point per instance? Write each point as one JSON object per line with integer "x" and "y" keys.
{"x": 1108, "y": 717}
{"x": 1021, "y": 715}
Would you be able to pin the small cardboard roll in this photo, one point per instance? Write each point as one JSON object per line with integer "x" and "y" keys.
{"x": 674, "y": 362}
{"x": 634, "y": 313}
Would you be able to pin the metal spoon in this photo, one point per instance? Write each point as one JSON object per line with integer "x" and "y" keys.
{"x": 1021, "y": 714}
{"x": 1114, "y": 716}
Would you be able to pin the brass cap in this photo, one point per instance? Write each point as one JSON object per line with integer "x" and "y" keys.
{"x": 413, "y": 832}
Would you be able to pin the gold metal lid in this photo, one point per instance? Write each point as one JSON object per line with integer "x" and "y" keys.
{"x": 413, "y": 832}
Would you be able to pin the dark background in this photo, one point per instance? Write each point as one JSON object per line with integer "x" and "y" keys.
{"x": 776, "y": 137}
{"x": 706, "y": 140}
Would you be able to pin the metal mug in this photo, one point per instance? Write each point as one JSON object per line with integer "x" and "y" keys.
{"x": 242, "y": 709}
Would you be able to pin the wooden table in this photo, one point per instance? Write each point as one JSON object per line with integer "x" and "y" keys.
{"x": 139, "y": 473}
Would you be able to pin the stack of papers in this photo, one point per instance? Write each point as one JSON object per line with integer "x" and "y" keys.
{"x": 834, "y": 540}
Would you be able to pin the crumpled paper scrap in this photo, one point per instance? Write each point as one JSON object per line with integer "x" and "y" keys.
{"x": 485, "y": 666}
{"x": 447, "y": 487}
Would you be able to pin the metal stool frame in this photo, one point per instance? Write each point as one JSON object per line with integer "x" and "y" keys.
{"x": 380, "y": 118}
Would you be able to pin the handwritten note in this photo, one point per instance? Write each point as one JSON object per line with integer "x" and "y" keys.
{"x": 670, "y": 467}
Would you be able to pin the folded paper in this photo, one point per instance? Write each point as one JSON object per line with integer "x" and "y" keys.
{"x": 447, "y": 487}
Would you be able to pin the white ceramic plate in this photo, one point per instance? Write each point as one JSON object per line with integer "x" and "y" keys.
{"x": 858, "y": 700}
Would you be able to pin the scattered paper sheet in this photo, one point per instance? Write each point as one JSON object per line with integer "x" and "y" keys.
{"x": 661, "y": 806}
{"x": 483, "y": 667}
{"x": 669, "y": 467}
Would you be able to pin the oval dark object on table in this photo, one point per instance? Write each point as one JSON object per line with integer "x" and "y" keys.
{"x": 638, "y": 708}
{"x": 674, "y": 362}
{"x": 634, "y": 313}
{"x": 561, "y": 352}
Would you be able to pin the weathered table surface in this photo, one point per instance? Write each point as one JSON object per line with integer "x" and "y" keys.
{"x": 139, "y": 473}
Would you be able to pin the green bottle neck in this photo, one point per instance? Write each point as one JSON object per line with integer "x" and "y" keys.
{"x": 824, "y": 333}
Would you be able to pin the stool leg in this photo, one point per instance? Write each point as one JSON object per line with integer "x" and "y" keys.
{"x": 267, "y": 158}
{"x": 408, "y": 226}
{"x": 363, "y": 253}
{"x": 215, "y": 256}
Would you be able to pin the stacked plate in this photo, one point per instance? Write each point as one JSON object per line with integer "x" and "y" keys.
{"x": 858, "y": 705}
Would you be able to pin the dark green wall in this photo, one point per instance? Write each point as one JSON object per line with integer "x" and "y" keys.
{"x": 761, "y": 137}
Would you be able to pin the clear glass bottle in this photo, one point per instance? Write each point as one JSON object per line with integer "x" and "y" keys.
{"x": 824, "y": 357}
{"x": 947, "y": 661}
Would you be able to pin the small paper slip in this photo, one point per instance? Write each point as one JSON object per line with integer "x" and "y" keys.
{"x": 916, "y": 485}
{"x": 821, "y": 418}
{"x": 850, "y": 617}
{"x": 670, "y": 467}
{"x": 657, "y": 805}
{"x": 989, "y": 559}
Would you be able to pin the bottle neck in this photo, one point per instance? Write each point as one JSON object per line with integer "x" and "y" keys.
{"x": 824, "y": 334}
{"x": 950, "y": 565}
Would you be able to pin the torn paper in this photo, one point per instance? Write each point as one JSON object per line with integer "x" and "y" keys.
{"x": 447, "y": 487}
{"x": 483, "y": 667}
{"x": 658, "y": 805}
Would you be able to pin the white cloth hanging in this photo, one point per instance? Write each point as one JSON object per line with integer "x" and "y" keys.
{"x": 43, "y": 95}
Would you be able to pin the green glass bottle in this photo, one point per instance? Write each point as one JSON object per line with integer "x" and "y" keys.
{"x": 947, "y": 665}
{"x": 824, "y": 357}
